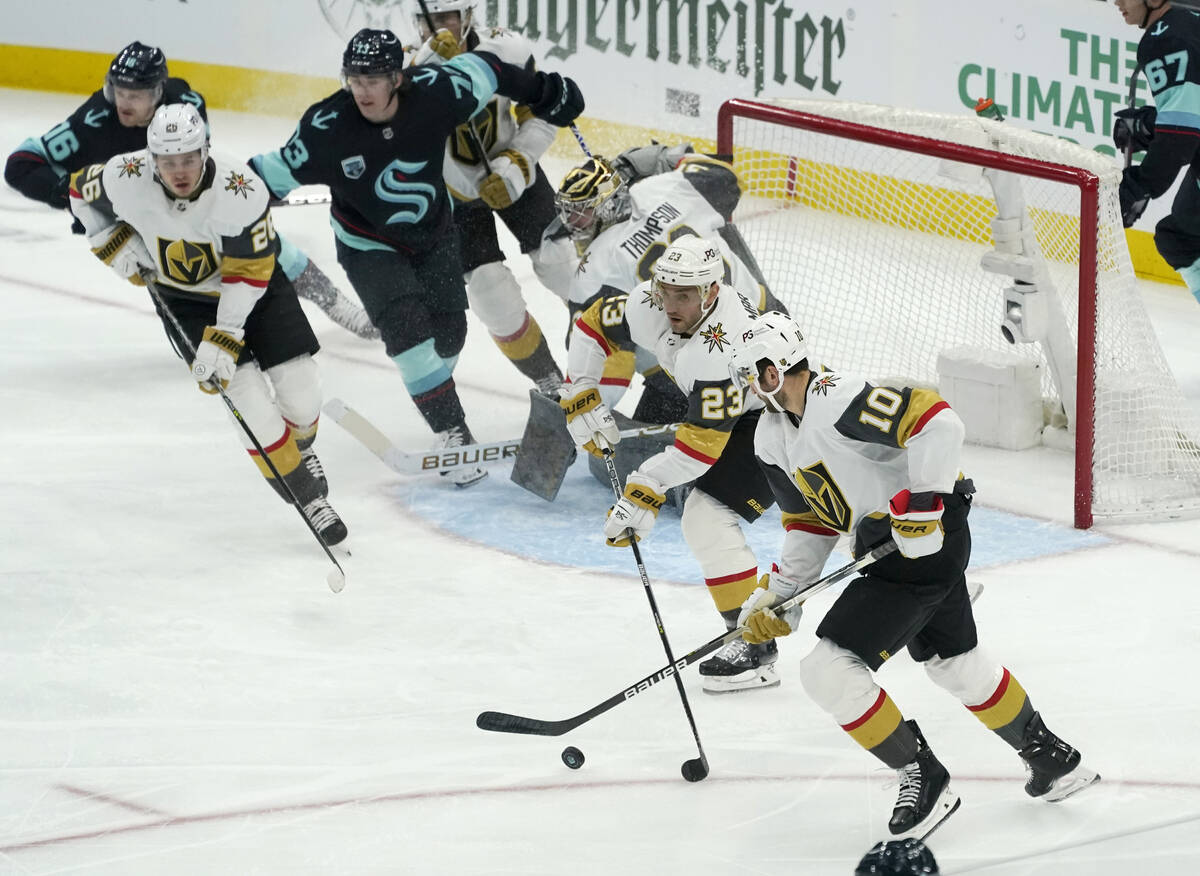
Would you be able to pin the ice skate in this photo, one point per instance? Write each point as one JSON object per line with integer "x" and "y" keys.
{"x": 740, "y": 666}
{"x": 310, "y": 460}
{"x": 326, "y": 521}
{"x": 1054, "y": 767}
{"x": 925, "y": 800}
{"x": 465, "y": 476}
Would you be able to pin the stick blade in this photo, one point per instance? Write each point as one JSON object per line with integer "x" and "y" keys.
{"x": 547, "y": 450}
{"x": 502, "y": 722}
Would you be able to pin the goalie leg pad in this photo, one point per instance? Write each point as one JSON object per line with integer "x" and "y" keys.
{"x": 714, "y": 535}
{"x": 297, "y": 385}
{"x": 495, "y": 297}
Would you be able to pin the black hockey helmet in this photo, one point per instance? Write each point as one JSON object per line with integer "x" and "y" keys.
{"x": 372, "y": 51}
{"x": 137, "y": 66}
{"x": 909, "y": 857}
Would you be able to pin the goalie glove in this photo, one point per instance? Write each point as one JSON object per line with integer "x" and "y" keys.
{"x": 917, "y": 523}
{"x": 758, "y": 614}
{"x": 1134, "y": 128}
{"x": 216, "y": 357}
{"x": 635, "y": 512}
{"x": 122, "y": 249}
{"x": 589, "y": 420}
{"x": 511, "y": 172}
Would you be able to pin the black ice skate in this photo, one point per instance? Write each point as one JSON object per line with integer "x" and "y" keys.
{"x": 326, "y": 521}
{"x": 312, "y": 462}
{"x": 925, "y": 800}
{"x": 464, "y": 476}
{"x": 740, "y": 666}
{"x": 1054, "y": 768}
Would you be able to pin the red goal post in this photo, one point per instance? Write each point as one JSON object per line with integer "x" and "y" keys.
{"x": 874, "y": 225}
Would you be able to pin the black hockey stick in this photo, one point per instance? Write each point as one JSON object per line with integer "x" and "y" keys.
{"x": 1129, "y": 104}
{"x": 336, "y": 579}
{"x": 502, "y": 722}
{"x": 696, "y": 768}
{"x": 472, "y": 134}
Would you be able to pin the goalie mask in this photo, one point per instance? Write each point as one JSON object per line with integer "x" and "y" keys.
{"x": 592, "y": 197}
{"x": 775, "y": 339}
{"x": 136, "y": 67}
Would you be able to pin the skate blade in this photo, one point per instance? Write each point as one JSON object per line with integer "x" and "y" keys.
{"x": 752, "y": 679}
{"x": 947, "y": 804}
{"x": 1071, "y": 784}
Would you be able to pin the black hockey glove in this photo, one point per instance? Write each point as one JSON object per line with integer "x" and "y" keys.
{"x": 559, "y": 100}
{"x": 60, "y": 195}
{"x": 1134, "y": 199}
{"x": 1134, "y": 128}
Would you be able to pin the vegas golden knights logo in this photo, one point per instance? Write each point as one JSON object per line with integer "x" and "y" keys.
{"x": 187, "y": 262}
{"x": 485, "y": 125}
{"x": 824, "y": 496}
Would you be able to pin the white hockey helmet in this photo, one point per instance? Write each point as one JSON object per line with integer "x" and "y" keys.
{"x": 176, "y": 129}
{"x": 689, "y": 261}
{"x": 464, "y": 8}
{"x": 775, "y": 338}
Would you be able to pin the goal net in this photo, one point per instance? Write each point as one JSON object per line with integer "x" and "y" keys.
{"x": 895, "y": 236}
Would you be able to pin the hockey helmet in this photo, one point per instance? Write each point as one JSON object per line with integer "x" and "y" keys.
{"x": 592, "y": 197}
{"x": 909, "y": 857}
{"x": 176, "y": 129}
{"x": 689, "y": 261}
{"x": 776, "y": 338}
{"x": 372, "y": 51}
{"x": 137, "y": 66}
{"x": 464, "y": 8}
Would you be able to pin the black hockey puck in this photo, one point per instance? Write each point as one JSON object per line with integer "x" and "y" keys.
{"x": 572, "y": 757}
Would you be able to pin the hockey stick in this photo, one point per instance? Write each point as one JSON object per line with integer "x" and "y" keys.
{"x": 397, "y": 460}
{"x": 472, "y": 134}
{"x": 579, "y": 139}
{"x": 696, "y": 768}
{"x": 336, "y": 579}
{"x": 300, "y": 200}
{"x": 503, "y": 722}
{"x": 1129, "y": 101}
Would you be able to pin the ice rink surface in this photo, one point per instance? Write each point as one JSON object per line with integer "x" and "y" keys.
{"x": 182, "y": 694}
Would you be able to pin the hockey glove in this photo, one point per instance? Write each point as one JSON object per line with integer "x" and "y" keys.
{"x": 758, "y": 611}
{"x": 636, "y": 511}
{"x": 122, "y": 249}
{"x": 1134, "y": 128}
{"x": 216, "y": 357}
{"x": 589, "y": 420}
{"x": 60, "y": 195}
{"x": 442, "y": 46}
{"x": 917, "y": 523}
{"x": 559, "y": 99}
{"x": 511, "y": 172}
{"x": 1134, "y": 199}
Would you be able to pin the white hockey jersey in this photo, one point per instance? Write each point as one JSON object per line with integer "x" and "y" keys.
{"x": 504, "y": 128}
{"x": 219, "y": 242}
{"x": 857, "y": 445}
{"x": 665, "y": 206}
{"x": 698, "y": 364}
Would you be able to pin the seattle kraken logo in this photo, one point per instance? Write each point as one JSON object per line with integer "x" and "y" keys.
{"x": 394, "y": 187}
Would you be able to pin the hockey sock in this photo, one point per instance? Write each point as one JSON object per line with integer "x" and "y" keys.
{"x": 1007, "y": 711}
{"x": 883, "y": 732}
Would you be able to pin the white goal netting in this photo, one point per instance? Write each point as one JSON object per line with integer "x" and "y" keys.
{"x": 875, "y": 246}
